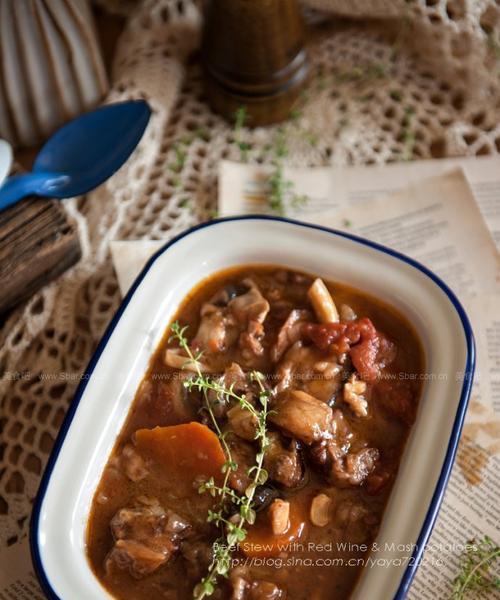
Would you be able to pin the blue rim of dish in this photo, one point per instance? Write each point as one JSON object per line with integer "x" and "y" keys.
{"x": 437, "y": 497}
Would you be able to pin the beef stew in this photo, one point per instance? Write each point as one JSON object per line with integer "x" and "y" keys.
{"x": 262, "y": 445}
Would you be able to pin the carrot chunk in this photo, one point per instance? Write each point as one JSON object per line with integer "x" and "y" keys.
{"x": 184, "y": 453}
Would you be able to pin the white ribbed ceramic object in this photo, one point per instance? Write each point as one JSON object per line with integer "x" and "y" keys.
{"x": 50, "y": 66}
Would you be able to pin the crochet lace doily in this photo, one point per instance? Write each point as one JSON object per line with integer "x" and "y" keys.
{"x": 399, "y": 79}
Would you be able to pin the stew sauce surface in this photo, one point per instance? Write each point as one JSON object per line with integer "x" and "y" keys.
{"x": 342, "y": 374}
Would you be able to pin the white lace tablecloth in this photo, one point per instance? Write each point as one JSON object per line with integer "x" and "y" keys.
{"x": 394, "y": 80}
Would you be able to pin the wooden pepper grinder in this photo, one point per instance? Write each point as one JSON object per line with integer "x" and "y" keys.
{"x": 254, "y": 56}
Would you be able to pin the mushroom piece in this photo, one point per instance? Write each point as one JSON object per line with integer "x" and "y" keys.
{"x": 215, "y": 331}
{"x": 175, "y": 359}
{"x": 322, "y": 302}
{"x": 354, "y": 395}
{"x": 250, "y": 306}
{"x": 347, "y": 313}
{"x": 249, "y": 311}
{"x": 291, "y": 331}
{"x": 320, "y": 508}
{"x": 279, "y": 513}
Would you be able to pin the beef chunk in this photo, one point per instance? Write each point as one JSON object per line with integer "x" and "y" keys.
{"x": 229, "y": 317}
{"x": 138, "y": 558}
{"x": 341, "y": 431}
{"x": 251, "y": 340}
{"x": 302, "y": 416}
{"x": 309, "y": 369}
{"x": 242, "y": 422}
{"x": 243, "y": 454}
{"x": 384, "y": 474}
{"x": 283, "y": 461}
{"x": 233, "y": 377}
{"x": 337, "y": 461}
{"x": 145, "y": 537}
{"x": 378, "y": 480}
{"x": 341, "y": 467}
{"x": 245, "y": 588}
{"x": 355, "y": 467}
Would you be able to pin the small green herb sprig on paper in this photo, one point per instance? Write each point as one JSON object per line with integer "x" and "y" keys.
{"x": 240, "y": 120}
{"x": 282, "y": 192}
{"x": 233, "y": 529}
{"x": 475, "y": 564}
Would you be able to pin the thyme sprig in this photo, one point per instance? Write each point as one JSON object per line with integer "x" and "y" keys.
{"x": 282, "y": 192}
{"x": 233, "y": 527}
{"x": 240, "y": 120}
{"x": 475, "y": 565}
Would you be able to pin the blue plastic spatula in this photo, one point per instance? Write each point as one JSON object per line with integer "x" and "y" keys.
{"x": 82, "y": 154}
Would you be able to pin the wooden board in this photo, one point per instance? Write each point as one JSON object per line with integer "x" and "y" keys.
{"x": 37, "y": 243}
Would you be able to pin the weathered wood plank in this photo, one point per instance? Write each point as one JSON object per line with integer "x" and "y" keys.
{"x": 37, "y": 244}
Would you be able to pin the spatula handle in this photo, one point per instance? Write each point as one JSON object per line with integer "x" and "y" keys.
{"x": 18, "y": 187}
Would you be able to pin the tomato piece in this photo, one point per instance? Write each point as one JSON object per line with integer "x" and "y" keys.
{"x": 370, "y": 350}
{"x": 364, "y": 359}
{"x": 325, "y": 334}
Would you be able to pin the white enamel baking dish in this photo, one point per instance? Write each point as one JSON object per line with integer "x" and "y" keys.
{"x": 103, "y": 399}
